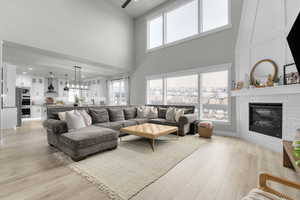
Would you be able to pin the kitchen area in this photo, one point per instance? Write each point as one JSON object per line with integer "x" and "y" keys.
{"x": 32, "y": 81}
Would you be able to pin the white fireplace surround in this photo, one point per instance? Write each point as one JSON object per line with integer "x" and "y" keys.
{"x": 290, "y": 116}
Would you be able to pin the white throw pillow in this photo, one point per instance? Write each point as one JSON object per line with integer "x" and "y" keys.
{"x": 74, "y": 120}
{"x": 178, "y": 114}
{"x": 147, "y": 112}
{"x": 170, "y": 114}
{"x": 86, "y": 117}
{"x": 62, "y": 115}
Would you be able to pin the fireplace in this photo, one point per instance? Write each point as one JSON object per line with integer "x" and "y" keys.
{"x": 266, "y": 118}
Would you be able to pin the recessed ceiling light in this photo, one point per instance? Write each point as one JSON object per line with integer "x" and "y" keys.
{"x": 24, "y": 72}
{"x": 30, "y": 68}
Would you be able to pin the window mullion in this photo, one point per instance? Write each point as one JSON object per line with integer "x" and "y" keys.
{"x": 200, "y": 17}
{"x": 199, "y": 95}
{"x": 164, "y": 15}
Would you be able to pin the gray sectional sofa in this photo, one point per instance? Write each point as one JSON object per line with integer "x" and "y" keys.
{"x": 104, "y": 132}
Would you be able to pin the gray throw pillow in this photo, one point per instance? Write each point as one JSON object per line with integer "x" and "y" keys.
{"x": 99, "y": 115}
{"x": 116, "y": 114}
{"x": 130, "y": 113}
{"x": 162, "y": 113}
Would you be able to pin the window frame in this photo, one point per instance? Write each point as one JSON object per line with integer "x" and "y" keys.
{"x": 163, "y": 12}
{"x": 200, "y": 70}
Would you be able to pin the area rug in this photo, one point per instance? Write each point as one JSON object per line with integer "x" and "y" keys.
{"x": 124, "y": 172}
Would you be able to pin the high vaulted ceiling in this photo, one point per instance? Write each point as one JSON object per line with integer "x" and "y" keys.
{"x": 139, "y": 7}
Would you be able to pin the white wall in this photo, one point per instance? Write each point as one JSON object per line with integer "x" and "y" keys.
{"x": 217, "y": 48}
{"x": 95, "y": 30}
{"x": 263, "y": 30}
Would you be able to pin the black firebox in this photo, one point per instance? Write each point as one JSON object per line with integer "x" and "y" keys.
{"x": 266, "y": 118}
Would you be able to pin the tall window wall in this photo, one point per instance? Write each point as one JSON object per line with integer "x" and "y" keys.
{"x": 208, "y": 91}
{"x": 186, "y": 20}
{"x": 118, "y": 91}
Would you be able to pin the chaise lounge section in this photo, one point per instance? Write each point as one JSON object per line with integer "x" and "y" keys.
{"x": 104, "y": 132}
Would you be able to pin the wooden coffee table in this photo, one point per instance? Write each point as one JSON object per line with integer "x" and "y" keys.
{"x": 150, "y": 131}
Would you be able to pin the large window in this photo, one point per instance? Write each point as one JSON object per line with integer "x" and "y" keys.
{"x": 214, "y": 96}
{"x": 182, "y": 90}
{"x": 187, "y": 20}
{"x": 155, "y": 28}
{"x": 215, "y": 14}
{"x": 208, "y": 91}
{"x": 155, "y": 91}
{"x": 182, "y": 22}
{"x": 117, "y": 92}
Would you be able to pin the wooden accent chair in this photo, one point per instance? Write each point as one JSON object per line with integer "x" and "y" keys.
{"x": 266, "y": 192}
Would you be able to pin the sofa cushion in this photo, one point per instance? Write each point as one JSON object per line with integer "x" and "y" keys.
{"x": 127, "y": 123}
{"x": 116, "y": 114}
{"x": 140, "y": 120}
{"x": 130, "y": 113}
{"x": 88, "y": 136}
{"x": 163, "y": 122}
{"x": 99, "y": 115}
{"x": 162, "y": 112}
{"x": 112, "y": 125}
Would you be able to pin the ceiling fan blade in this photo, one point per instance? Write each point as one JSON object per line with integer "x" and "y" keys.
{"x": 126, "y": 3}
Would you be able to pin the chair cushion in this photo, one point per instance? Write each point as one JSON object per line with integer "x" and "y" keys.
{"x": 140, "y": 120}
{"x": 130, "y": 113}
{"x": 127, "y": 123}
{"x": 99, "y": 115}
{"x": 163, "y": 122}
{"x": 116, "y": 114}
{"x": 257, "y": 194}
{"x": 88, "y": 136}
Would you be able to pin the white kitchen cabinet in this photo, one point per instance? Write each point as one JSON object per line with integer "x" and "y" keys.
{"x": 9, "y": 118}
{"x": 24, "y": 81}
{"x": 9, "y": 85}
{"x": 36, "y": 112}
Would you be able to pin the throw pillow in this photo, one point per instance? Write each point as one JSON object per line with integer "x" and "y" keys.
{"x": 116, "y": 114}
{"x": 62, "y": 115}
{"x": 162, "y": 113}
{"x": 130, "y": 113}
{"x": 74, "y": 120}
{"x": 86, "y": 117}
{"x": 170, "y": 115}
{"x": 152, "y": 113}
{"x": 99, "y": 115}
{"x": 178, "y": 114}
{"x": 148, "y": 112}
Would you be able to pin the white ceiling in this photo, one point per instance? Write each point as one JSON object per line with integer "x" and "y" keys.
{"x": 140, "y": 7}
{"x": 43, "y": 62}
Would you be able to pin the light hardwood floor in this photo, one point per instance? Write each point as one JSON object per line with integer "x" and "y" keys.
{"x": 225, "y": 169}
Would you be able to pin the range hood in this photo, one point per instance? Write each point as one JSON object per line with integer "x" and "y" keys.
{"x": 51, "y": 89}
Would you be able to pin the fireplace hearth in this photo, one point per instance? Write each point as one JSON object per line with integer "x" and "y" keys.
{"x": 266, "y": 118}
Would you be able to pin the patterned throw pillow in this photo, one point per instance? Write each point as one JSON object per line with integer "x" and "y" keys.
{"x": 170, "y": 115}
{"x": 148, "y": 112}
{"x": 87, "y": 118}
{"x": 178, "y": 114}
{"x": 74, "y": 120}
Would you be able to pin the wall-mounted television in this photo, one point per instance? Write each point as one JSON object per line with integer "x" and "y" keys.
{"x": 294, "y": 42}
